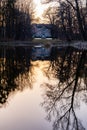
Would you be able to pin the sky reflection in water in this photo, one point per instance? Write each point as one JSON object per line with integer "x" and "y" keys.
{"x": 39, "y": 92}
{"x": 22, "y": 110}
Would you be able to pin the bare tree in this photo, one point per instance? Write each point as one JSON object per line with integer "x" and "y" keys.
{"x": 77, "y": 8}
{"x": 73, "y": 18}
{"x": 51, "y": 17}
{"x": 25, "y": 17}
{"x": 15, "y": 19}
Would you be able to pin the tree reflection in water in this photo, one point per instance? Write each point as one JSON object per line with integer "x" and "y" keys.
{"x": 70, "y": 68}
{"x": 68, "y": 65}
{"x": 14, "y": 66}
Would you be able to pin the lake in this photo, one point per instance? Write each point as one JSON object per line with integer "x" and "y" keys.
{"x": 43, "y": 92}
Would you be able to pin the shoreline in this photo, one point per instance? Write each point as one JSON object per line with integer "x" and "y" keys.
{"x": 53, "y": 43}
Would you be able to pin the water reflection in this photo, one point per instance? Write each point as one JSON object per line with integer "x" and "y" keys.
{"x": 60, "y": 100}
{"x": 14, "y": 64}
{"x": 63, "y": 79}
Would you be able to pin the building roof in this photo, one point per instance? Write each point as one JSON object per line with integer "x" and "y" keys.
{"x": 41, "y": 30}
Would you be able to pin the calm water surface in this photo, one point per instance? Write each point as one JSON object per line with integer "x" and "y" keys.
{"x": 48, "y": 94}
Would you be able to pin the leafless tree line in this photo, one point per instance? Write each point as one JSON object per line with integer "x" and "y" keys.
{"x": 69, "y": 20}
{"x": 15, "y": 20}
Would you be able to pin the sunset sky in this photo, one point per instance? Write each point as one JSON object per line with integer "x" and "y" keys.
{"x": 40, "y": 8}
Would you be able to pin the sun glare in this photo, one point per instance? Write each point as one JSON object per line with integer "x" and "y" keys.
{"x": 39, "y": 7}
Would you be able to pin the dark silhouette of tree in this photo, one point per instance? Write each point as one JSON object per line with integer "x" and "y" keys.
{"x": 25, "y": 16}
{"x": 71, "y": 19}
{"x": 64, "y": 18}
{"x": 10, "y": 18}
{"x": 80, "y": 19}
{"x": 51, "y": 17}
{"x": 15, "y": 21}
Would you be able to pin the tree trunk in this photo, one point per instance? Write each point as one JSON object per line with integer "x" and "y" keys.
{"x": 81, "y": 29}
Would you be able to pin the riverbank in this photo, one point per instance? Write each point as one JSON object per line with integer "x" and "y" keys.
{"x": 46, "y": 42}
{"x": 31, "y": 43}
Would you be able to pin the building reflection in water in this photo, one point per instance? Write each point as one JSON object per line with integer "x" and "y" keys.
{"x": 64, "y": 81}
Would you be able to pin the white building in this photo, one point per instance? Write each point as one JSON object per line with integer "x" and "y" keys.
{"x": 41, "y": 31}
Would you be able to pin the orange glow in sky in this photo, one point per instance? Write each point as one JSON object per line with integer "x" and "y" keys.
{"x": 39, "y": 10}
{"x": 39, "y": 7}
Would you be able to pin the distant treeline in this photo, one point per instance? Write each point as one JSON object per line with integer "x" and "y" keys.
{"x": 15, "y": 23}
{"x": 68, "y": 19}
